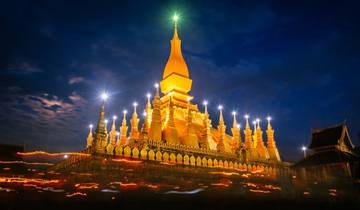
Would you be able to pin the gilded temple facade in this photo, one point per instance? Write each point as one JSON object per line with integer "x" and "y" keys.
{"x": 175, "y": 130}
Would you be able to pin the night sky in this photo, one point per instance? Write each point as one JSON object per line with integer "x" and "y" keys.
{"x": 298, "y": 62}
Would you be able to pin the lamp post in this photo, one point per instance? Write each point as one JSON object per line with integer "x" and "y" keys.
{"x": 303, "y": 148}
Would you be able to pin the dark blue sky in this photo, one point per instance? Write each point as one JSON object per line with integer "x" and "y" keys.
{"x": 298, "y": 62}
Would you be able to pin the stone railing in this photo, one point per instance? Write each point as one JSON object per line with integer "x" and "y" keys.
{"x": 190, "y": 149}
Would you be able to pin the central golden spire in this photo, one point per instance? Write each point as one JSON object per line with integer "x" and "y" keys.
{"x": 176, "y": 63}
{"x": 176, "y": 81}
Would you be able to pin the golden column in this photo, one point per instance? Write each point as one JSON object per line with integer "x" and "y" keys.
{"x": 155, "y": 127}
{"x": 144, "y": 129}
{"x": 235, "y": 130}
{"x": 89, "y": 139}
{"x": 123, "y": 130}
{"x": 148, "y": 111}
{"x": 221, "y": 131}
{"x": 134, "y": 134}
{"x": 260, "y": 147}
{"x": 190, "y": 137}
{"x": 248, "y": 133}
{"x": 101, "y": 132}
{"x": 254, "y": 136}
{"x": 206, "y": 134}
{"x": 113, "y": 132}
{"x": 170, "y": 132}
{"x": 271, "y": 144}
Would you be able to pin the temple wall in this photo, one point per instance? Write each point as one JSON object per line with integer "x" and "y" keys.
{"x": 205, "y": 160}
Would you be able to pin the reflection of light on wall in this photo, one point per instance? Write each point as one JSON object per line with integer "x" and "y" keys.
{"x": 224, "y": 173}
{"x": 34, "y": 153}
{"x": 127, "y": 161}
{"x": 27, "y": 163}
{"x": 167, "y": 163}
{"x": 257, "y": 171}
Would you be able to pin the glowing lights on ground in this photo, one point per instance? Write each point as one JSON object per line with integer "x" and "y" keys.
{"x": 21, "y": 180}
{"x": 42, "y": 153}
{"x": 127, "y": 161}
{"x": 82, "y": 186}
{"x": 260, "y": 191}
{"x": 27, "y": 163}
{"x": 225, "y": 173}
{"x": 76, "y": 194}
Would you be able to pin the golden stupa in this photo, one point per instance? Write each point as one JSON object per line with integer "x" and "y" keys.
{"x": 174, "y": 130}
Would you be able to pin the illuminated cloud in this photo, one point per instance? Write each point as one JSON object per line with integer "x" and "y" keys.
{"x": 23, "y": 67}
{"x": 76, "y": 80}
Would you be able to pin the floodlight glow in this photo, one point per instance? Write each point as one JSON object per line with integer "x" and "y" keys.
{"x": 303, "y": 148}
{"x": 233, "y": 113}
{"x": 125, "y": 111}
{"x": 254, "y": 122}
{"x": 66, "y": 156}
{"x": 246, "y": 116}
{"x": 104, "y": 96}
{"x": 238, "y": 126}
{"x": 118, "y": 133}
{"x": 257, "y": 120}
{"x": 175, "y": 17}
{"x": 135, "y": 104}
{"x": 148, "y": 95}
{"x": 106, "y": 121}
{"x": 91, "y": 126}
{"x": 144, "y": 114}
{"x": 156, "y": 85}
{"x": 114, "y": 117}
{"x": 268, "y": 118}
{"x": 205, "y": 103}
{"x": 220, "y": 107}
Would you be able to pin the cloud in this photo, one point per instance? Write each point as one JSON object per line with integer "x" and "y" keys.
{"x": 48, "y": 106}
{"x": 23, "y": 67}
{"x": 76, "y": 98}
{"x": 76, "y": 80}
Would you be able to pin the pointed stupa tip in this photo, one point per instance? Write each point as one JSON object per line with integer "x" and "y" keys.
{"x": 269, "y": 127}
{"x": 235, "y": 124}
{"x": 176, "y": 63}
{"x": 221, "y": 118}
